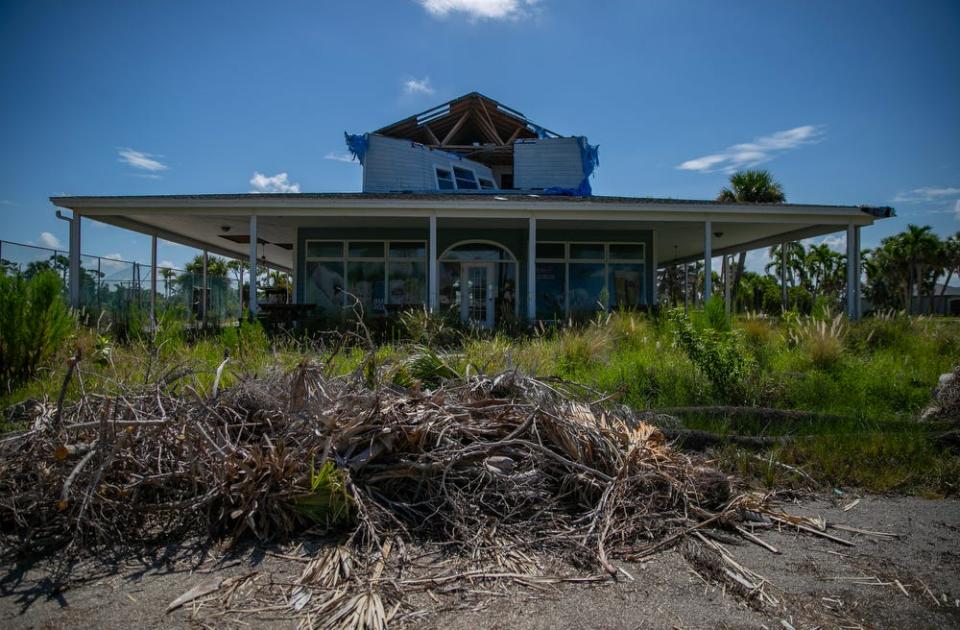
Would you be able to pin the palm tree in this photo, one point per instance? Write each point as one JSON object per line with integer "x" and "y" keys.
{"x": 753, "y": 186}
{"x": 919, "y": 247}
{"x": 951, "y": 260}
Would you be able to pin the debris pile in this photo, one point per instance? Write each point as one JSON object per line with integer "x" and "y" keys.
{"x": 490, "y": 472}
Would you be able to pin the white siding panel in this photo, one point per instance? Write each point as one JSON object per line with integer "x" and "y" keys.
{"x": 393, "y": 165}
{"x": 547, "y": 162}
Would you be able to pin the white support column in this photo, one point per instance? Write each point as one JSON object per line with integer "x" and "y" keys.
{"x": 686, "y": 286}
{"x": 726, "y": 282}
{"x": 859, "y": 301}
{"x": 434, "y": 289}
{"x": 253, "y": 265}
{"x": 783, "y": 277}
{"x": 852, "y": 271}
{"x": 653, "y": 263}
{"x": 153, "y": 279}
{"x": 707, "y": 261}
{"x": 74, "y": 259}
{"x": 204, "y": 297}
{"x": 532, "y": 269}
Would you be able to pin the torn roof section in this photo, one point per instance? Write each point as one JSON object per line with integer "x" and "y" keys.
{"x": 476, "y": 133}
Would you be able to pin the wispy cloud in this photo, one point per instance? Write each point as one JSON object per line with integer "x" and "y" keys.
{"x": 760, "y": 150}
{"x": 927, "y": 193}
{"x": 141, "y": 160}
{"x": 7, "y": 202}
{"x": 836, "y": 242}
{"x": 166, "y": 264}
{"x": 480, "y": 9}
{"x": 278, "y": 183}
{"x": 339, "y": 157}
{"x": 49, "y": 240}
{"x": 956, "y": 210}
{"x": 418, "y": 86}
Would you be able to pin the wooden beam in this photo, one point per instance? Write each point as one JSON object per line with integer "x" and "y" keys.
{"x": 430, "y": 134}
{"x": 515, "y": 134}
{"x": 447, "y": 138}
{"x": 493, "y": 127}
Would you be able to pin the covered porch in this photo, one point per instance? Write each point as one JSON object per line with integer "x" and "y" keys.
{"x": 484, "y": 257}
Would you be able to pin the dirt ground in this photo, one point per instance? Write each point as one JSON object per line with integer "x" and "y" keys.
{"x": 908, "y": 582}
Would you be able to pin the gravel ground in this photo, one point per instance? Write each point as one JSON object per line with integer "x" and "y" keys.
{"x": 900, "y": 579}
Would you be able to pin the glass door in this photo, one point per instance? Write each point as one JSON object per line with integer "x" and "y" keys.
{"x": 478, "y": 289}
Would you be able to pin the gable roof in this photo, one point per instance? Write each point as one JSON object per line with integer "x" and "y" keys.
{"x": 472, "y": 125}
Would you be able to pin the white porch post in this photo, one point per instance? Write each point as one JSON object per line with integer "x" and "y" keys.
{"x": 253, "y": 265}
{"x": 532, "y": 270}
{"x": 726, "y": 282}
{"x": 203, "y": 291}
{"x": 74, "y": 259}
{"x": 707, "y": 261}
{"x": 852, "y": 271}
{"x": 859, "y": 303}
{"x": 783, "y": 277}
{"x": 686, "y": 286}
{"x": 153, "y": 279}
{"x": 432, "y": 285}
{"x": 653, "y": 263}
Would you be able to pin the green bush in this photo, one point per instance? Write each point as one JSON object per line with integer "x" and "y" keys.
{"x": 34, "y": 324}
{"x": 718, "y": 354}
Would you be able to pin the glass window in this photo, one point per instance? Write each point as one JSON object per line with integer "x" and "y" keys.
{"x": 323, "y": 284}
{"x": 365, "y": 282}
{"x": 626, "y": 251}
{"x": 586, "y": 287}
{"x": 406, "y": 283}
{"x": 324, "y": 249}
{"x": 466, "y": 180}
{"x": 625, "y": 283}
{"x": 586, "y": 251}
{"x": 365, "y": 249}
{"x": 408, "y": 249}
{"x": 487, "y": 184}
{"x": 478, "y": 251}
{"x": 444, "y": 179}
{"x": 551, "y": 287}
{"x": 551, "y": 250}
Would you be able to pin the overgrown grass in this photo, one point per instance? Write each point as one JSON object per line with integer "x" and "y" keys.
{"x": 877, "y": 374}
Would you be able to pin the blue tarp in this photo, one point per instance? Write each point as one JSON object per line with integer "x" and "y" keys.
{"x": 357, "y": 144}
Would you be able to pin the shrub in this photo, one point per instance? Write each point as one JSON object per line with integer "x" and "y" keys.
{"x": 717, "y": 354}
{"x": 34, "y": 324}
{"x": 714, "y": 315}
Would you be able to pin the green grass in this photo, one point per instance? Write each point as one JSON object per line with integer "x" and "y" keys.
{"x": 878, "y": 374}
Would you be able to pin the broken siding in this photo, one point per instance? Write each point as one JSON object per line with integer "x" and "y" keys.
{"x": 546, "y": 163}
{"x": 393, "y": 165}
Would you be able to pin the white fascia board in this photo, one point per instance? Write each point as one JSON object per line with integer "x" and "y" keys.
{"x": 447, "y": 208}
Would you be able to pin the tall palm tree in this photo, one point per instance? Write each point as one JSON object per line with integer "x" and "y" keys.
{"x": 951, "y": 260}
{"x": 751, "y": 186}
{"x": 919, "y": 247}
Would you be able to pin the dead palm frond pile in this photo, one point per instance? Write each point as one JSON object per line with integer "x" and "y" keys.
{"x": 494, "y": 472}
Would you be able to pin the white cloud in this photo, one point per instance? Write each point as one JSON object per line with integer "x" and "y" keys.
{"x": 7, "y": 202}
{"x": 956, "y": 210}
{"x": 927, "y": 193}
{"x": 278, "y": 183}
{"x": 49, "y": 240}
{"x": 113, "y": 262}
{"x": 166, "y": 264}
{"x": 479, "y": 9}
{"x": 339, "y": 157}
{"x": 760, "y": 150}
{"x": 836, "y": 242}
{"x": 141, "y": 160}
{"x": 418, "y": 86}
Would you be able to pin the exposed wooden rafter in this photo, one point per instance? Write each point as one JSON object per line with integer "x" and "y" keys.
{"x": 431, "y": 135}
{"x": 447, "y": 138}
{"x": 489, "y": 121}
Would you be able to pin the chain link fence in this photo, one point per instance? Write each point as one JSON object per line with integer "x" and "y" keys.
{"x": 121, "y": 289}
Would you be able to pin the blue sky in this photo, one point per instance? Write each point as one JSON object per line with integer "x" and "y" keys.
{"x": 845, "y": 102}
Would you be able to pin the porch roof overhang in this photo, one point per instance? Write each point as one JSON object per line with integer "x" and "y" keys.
{"x": 218, "y": 222}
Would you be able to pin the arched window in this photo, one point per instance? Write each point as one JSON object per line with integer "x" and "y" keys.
{"x": 478, "y": 281}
